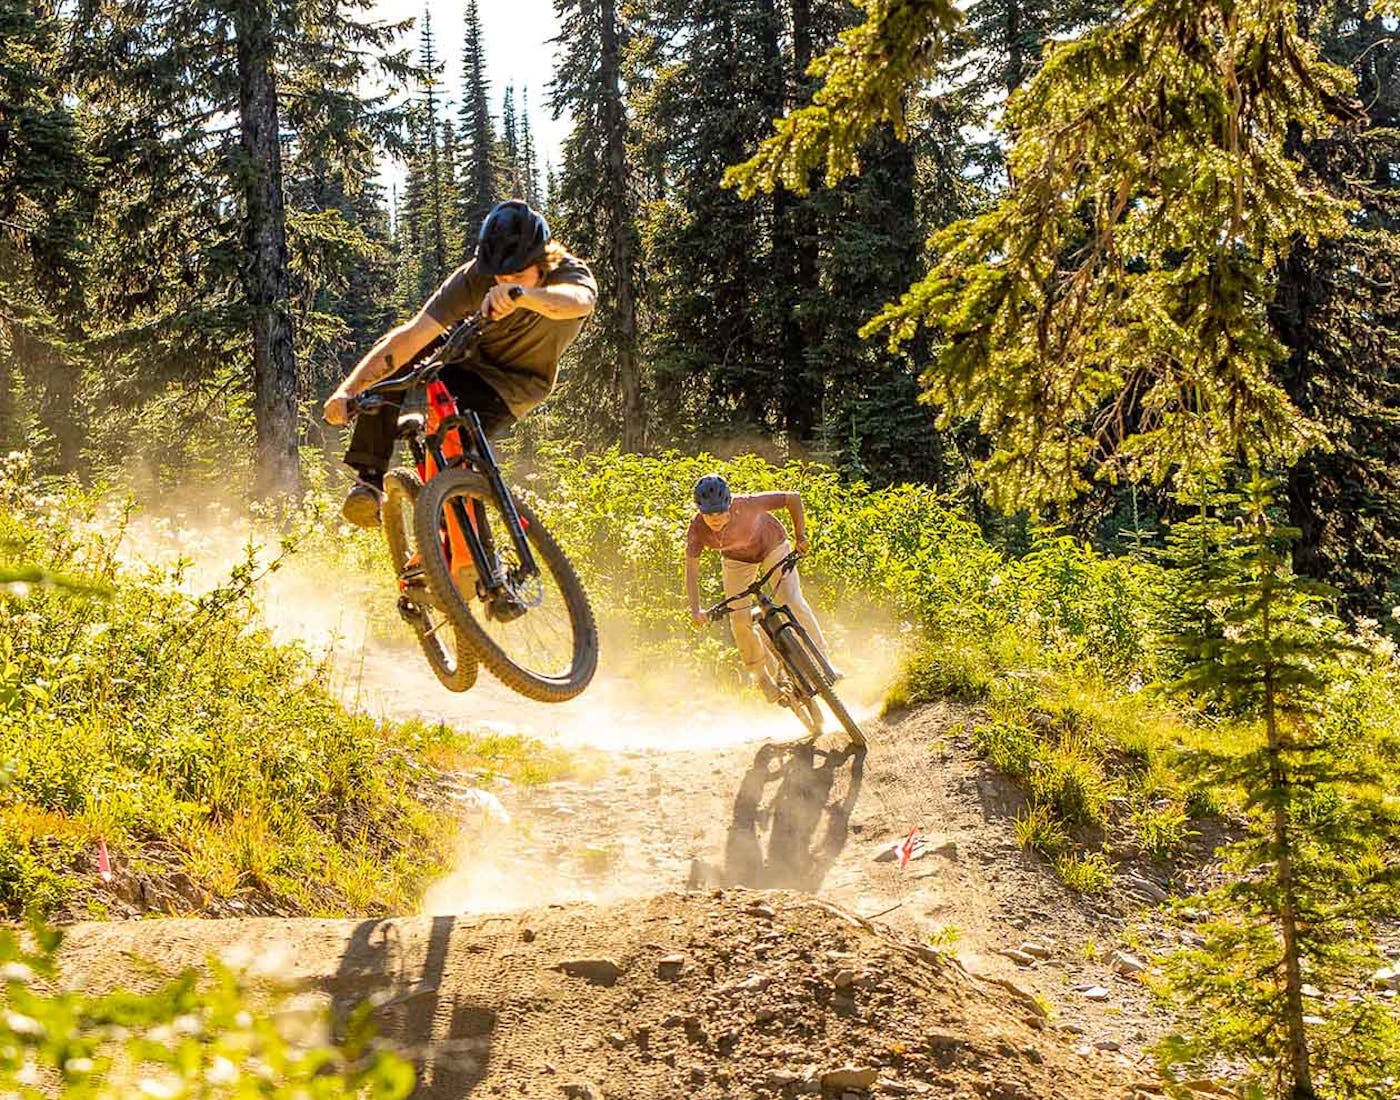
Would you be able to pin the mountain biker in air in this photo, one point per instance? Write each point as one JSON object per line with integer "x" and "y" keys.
{"x": 537, "y": 294}
{"x": 750, "y": 540}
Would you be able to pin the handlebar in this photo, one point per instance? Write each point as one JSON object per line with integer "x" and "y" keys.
{"x": 430, "y": 360}
{"x": 725, "y": 606}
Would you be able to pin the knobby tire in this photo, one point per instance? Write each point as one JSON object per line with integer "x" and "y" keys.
{"x": 811, "y": 667}
{"x": 464, "y": 608}
{"x": 403, "y": 487}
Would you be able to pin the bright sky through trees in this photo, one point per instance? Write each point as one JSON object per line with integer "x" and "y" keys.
{"x": 519, "y": 51}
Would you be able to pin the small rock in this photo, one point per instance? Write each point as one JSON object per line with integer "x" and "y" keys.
{"x": 1020, "y": 958}
{"x": 1387, "y": 977}
{"x": 1033, "y": 1056}
{"x": 583, "y": 1090}
{"x": 1129, "y": 966}
{"x": 1036, "y": 949}
{"x": 848, "y": 1077}
{"x": 1107, "y": 1044}
{"x": 844, "y": 979}
{"x": 1096, "y": 993}
{"x": 617, "y": 1039}
{"x": 1314, "y": 1021}
{"x": 1073, "y": 1029}
{"x": 781, "y": 1078}
{"x": 1084, "y": 1050}
{"x": 1311, "y": 991}
{"x": 599, "y": 971}
{"x": 671, "y": 967}
{"x": 758, "y": 909}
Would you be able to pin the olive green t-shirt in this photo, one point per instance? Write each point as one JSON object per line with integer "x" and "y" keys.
{"x": 517, "y": 356}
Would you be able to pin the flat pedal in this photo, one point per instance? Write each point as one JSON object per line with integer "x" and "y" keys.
{"x": 411, "y": 613}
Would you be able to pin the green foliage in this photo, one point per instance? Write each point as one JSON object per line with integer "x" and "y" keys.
{"x": 168, "y": 722}
{"x": 866, "y": 76}
{"x": 1087, "y": 874}
{"x": 1314, "y": 872}
{"x": 187, "y": 1038}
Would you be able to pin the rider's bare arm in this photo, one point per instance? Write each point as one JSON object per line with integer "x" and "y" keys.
{"x": 799, "y": 520}
{"x": 692, "y": 586}
{"x": 393, "y": 349}
{"x": 561, "y": 302}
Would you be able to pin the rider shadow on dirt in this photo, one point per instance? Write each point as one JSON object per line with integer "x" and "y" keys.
{"x": 447, "y": 1039}
{"x": 802, "y": 797}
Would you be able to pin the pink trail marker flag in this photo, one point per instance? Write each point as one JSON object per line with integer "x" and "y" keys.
{"x": 104, "y": 865}
{"x": 905, "y": 848}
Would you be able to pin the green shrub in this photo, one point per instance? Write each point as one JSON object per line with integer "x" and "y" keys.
{"x": 150, "y": 716}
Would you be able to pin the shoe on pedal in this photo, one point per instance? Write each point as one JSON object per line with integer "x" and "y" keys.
{"x": 361, "y": 505}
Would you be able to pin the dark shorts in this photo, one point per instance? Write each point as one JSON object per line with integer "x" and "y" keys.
{"x": 372, "y": 438}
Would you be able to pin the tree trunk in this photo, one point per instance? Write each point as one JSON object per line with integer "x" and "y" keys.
{"x": 1298, "y": 1061}
{"x": 619, "y": 232}
{"x": 802, "y": 398}
{"x": 265, "y": 275}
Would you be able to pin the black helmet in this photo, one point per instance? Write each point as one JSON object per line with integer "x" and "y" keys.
{"x": 512, "y": 238}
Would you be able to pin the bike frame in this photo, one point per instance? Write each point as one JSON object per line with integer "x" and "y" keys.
{"x": 452, "y": 438}
{"x": 775, "y": 619}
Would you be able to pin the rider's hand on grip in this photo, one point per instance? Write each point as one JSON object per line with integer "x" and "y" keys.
{"x": 803, "y": 545}
{"x": 698, "y": 618}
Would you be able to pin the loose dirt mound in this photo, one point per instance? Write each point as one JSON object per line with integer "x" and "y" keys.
{"x": 726, "y": 993}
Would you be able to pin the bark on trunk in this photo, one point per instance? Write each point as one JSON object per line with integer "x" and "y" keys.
{"x": 1298, "y": 1062}
{"x": 265, "y": 275}
{"x": 620, "y": 233}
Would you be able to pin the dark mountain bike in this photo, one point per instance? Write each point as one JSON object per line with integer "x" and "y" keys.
{"x": 486, "y": 572}
{"x": 803, "y": 673}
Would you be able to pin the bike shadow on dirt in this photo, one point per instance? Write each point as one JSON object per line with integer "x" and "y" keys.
{"x": 447, "y": 1039}
{"x": 791, "y": 817}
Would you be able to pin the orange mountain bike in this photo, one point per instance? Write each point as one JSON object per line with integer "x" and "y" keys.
{"x": 487, "y": 582}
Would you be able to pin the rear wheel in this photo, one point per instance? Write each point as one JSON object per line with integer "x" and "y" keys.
{"x": 448, "y": 651}
{"x": 538, "y": 637}
{"x": 805, "y": 660}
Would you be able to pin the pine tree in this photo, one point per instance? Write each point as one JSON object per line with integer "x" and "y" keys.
{"x": 1337, "y": 312}
{"x": 1310, "y": 877}
{"x": 597, "y": 210}
{"x": 480, "y": 188}
{"x": 435, "y": 187}
{"x": 46, "y": 199}
{"x": 1128, "y": 289}
{"x": 510, "y": 145}
{"x": 529, "y": 176}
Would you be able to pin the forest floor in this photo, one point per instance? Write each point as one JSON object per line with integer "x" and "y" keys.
{"x": 718, "y": 913}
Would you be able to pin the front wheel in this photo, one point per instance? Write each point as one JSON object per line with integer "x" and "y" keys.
{"x": 448, "y": 652}
{"x": 801, "y": 652}
{"x": 539, "y": 636}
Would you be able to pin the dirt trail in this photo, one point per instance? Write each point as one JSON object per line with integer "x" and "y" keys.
{"x": 700, "y": 802}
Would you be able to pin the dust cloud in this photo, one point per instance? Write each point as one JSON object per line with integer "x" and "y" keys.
{"x": 634, "y": 711}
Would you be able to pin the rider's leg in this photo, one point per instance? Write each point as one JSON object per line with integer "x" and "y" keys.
{"x": 371, "y": 448}
{"x": 738, "y": 575}
{"x": 471, "y": 391}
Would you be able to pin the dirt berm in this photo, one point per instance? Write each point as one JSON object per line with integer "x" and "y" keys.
{"x": 725, "y": 993}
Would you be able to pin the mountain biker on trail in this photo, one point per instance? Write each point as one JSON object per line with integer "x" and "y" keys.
{"x": 749, "y": 540}
{"x": 537, "y": 294}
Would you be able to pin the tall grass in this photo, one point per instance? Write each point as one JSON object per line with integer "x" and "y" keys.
{"x": 175, "y": 728}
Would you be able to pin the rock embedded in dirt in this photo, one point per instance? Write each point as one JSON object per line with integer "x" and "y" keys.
{"x": 599, "y": 971}
{"x": 1387, "y": 977}
{"x": 758, "y": 909}
{"x": 1036, "y": 949}
{"x": 1096, "y": 993}
{"x": 1020, "y": 958}
{"x": 848, "y": 1077}
{"x": 1128, "y": 966}
{"x": 671, "y": 967}
{"x": 582, "y": 1090}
